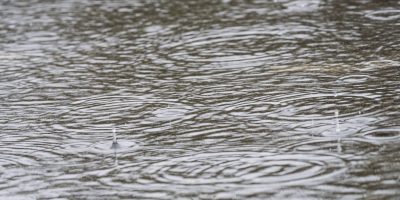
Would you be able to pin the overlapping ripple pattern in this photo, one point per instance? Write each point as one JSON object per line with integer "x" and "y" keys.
{"x": 227, "y": 99}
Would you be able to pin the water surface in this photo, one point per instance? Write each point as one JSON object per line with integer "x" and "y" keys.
{"x": 222, "y": 99}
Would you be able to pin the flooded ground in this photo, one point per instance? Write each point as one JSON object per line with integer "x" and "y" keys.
{"x": 229, "y": 99}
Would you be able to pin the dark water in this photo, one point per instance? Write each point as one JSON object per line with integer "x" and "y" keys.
{"x": 293, "y": 99}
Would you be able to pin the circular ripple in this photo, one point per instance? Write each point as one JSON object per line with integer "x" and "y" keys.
{"x": 350, "y": 147}
{"x": 354, "y": 79}
{"x": 100, "y": 147}
{"x": 18, "y": 150}
{"x": 128, "y": 112}
{"x": 322, "y": 106}
{"x": 229, "y": 45}
{"x": 384, "y": 15}
{"x": 245, "y": 167}
{"x": 383, "y": 134}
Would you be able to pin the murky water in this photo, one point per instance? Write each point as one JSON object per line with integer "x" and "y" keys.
{"x": 228, "y": 99}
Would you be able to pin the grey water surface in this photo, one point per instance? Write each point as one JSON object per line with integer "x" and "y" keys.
{"x": 210, "y": 99}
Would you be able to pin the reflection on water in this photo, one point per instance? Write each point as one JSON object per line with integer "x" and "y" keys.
{"x": 221, "y": 99}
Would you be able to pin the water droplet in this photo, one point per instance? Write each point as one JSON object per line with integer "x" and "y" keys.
{"x": 115, "y": 144}
{"x": 339, "y": 145}
{"x": 337, "y": 121}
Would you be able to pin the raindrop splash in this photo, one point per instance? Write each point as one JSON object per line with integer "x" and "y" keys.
{"x": 337, "y": 121}
{"x": 115, "y": 144}
{"x": 339, "y": 145}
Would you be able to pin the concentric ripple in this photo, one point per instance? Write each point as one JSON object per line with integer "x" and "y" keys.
{"x": 245, "y": 168}
{"x": 227, "y": 99}
{"x": 100, "y": 147}
{"x": 231, "y": 45}
{"x": 354, "y": 148}
{"x": 131, "y": 110}
{"x": 323, "y": 106}
{"x": 384, "y": 15}
{"x": 354, "y": 79}
{"x": 387, "y": 134}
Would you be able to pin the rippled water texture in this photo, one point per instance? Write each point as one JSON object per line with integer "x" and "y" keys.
{"x": 229, "y": 99}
